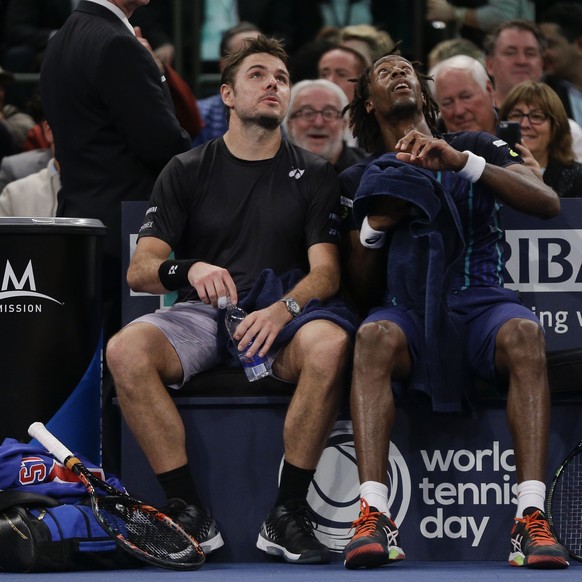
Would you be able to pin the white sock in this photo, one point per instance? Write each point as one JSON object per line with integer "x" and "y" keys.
{"x": 376, "y": 495}
{"x": 530, "y": 494}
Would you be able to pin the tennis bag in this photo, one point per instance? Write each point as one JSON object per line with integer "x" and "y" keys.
{"x": 46, "y": 522}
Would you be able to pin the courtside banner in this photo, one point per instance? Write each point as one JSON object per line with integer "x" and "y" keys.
{"x": 545, "y": 266}
{"x": 452, "y": 482}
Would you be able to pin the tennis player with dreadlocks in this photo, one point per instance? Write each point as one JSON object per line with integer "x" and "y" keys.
{"x": 429, "y": 204}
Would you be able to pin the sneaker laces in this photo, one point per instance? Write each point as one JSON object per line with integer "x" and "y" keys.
{"x": 366, "y": 523}
{"x": 303, "y": 517}
{"x": 538, "y": 529}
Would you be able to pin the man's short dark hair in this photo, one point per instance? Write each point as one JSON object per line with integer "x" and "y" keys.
{"x": 527, "y": 25}
{"x": 261, "y": 44}
{"x": 568, "y": 17}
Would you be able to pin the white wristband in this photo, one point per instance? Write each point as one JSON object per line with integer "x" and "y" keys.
{"x": 474, "y": 167}
{"x": 370, "y": 238}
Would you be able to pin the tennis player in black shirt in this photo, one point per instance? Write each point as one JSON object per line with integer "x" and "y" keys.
{"x": 246, "y": 207}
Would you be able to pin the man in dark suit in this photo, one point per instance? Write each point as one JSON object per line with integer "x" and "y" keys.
{"x": 113, "y": 124}
{"x": 111, "y": 117}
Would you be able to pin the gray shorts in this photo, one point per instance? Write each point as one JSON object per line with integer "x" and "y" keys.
{"x": 191, "y": 328}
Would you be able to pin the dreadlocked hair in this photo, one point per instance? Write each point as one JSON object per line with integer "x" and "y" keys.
{"x": 364, "y": 125}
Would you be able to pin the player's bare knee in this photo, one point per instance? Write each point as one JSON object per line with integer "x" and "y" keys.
{"x": 330, "y": 353}
{"x": 523, "y": 340}
{"x": 123, "y": 353}
{"x": 378, "y": 339}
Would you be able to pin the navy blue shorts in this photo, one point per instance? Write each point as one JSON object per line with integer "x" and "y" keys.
{"x": 483, "y": 310}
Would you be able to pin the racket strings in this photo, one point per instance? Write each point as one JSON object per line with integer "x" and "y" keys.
{"x": 147, "y": 530}
{"x": 567, "y": 506}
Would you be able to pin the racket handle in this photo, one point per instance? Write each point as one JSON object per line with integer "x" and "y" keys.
{"x": 38, "y": 431}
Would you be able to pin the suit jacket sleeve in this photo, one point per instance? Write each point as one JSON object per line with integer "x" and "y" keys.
{"x": 133, "y": 90}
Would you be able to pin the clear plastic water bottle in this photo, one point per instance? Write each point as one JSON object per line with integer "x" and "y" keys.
{"x": 255, "y": 367}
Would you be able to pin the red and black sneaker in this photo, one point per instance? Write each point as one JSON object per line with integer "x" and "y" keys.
{"x": 375, "y": 542}
{"x": 533, "y": 544}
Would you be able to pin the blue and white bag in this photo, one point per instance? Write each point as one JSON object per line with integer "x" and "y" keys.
{"x": 46, "y": 522}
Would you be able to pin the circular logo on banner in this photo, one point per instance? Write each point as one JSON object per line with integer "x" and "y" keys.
{"x": 334, "y": 495}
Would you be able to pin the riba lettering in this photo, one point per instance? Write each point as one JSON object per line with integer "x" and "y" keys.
{"x": 544, "y": 260}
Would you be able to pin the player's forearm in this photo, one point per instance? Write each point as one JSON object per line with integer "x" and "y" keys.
{"x": 519, "y": 188}
{"x": 142, "y": 275}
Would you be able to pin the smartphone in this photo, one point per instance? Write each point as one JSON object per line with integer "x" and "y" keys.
{"x": 509, "y": 132}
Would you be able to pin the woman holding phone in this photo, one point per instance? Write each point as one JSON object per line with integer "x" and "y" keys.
{"x": 546, "y": 133}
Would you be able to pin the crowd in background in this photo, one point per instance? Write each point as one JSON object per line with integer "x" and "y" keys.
{"x": 333, "y": 40}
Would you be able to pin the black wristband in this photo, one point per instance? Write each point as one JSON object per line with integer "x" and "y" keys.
{"x": 174, "y": 274}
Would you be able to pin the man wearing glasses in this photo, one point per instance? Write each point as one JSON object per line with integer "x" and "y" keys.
{"x": 316, "y": 123}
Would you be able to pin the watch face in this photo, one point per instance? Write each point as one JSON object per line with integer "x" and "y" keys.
{"x": 293, "y": 307}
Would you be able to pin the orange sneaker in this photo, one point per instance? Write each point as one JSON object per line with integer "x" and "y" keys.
{"x": 375, "y": 542}
{"x": 533, "y": 543}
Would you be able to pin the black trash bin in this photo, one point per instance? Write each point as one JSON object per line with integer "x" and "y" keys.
{"x": 50, "y": 329}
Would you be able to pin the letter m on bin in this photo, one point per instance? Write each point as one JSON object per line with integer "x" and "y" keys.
{"x": 10, "y": 277}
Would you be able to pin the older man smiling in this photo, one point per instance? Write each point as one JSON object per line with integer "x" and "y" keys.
{"x": 316, "y": 122}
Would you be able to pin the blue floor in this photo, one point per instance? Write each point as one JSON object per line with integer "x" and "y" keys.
{"x": 406, "y": 571}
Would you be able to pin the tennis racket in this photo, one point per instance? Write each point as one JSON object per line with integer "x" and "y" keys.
{"x": 564, "y": 504}
{"x": 140, "y": 529}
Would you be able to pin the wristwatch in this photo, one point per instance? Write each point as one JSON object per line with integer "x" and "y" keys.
{"x": 292, "y": 306}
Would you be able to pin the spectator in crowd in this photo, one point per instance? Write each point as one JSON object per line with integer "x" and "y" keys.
{"x": 36, "y": 193}
{"x": 212, "y": 109}
{"x": 475, "y": 22}
{"x": 515, "y": 52}
{"x": 369, "y": 41}
{"x": 303, "y": 62}
{"x": 38, "y": 151}
{"x": 342, "y": 65}
{"x": 316, "y": 122}
{"x": 562, "y": 27}
{"x": 546, "y": 132}
{"x": 284, "y": 272}
{"x": 465, "y": 95}
{"x": 466, "y": 99}
{"x": 115, "y": 129}
{"x": 453, "y": 47}
{"x": 18, "y": 166}
{"x": 404, "y": 338}
{"x": 15, "y": 122}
